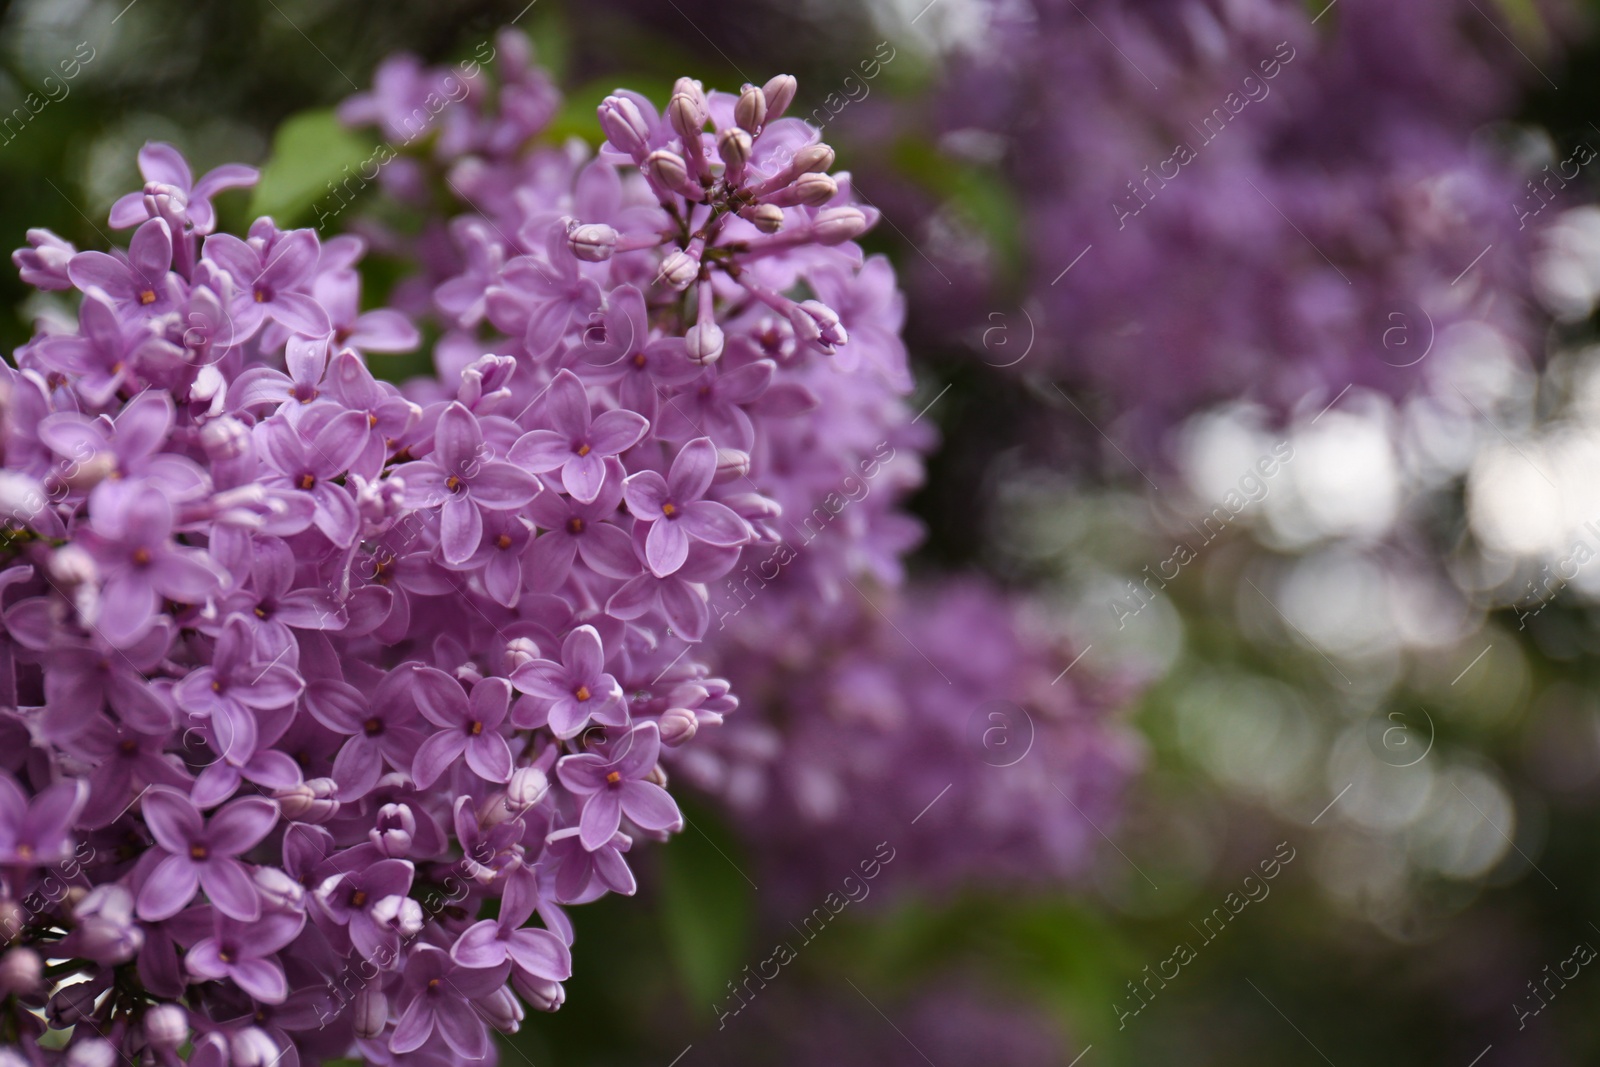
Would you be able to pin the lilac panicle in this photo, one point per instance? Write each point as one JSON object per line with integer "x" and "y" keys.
{"x": 304, "y": 671}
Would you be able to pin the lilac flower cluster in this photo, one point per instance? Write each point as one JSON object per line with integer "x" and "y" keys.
{"x": 789, "y": 622}
{"x": 306, "y": 671}
{"x": 1268, "y": 203}
{"x": 978, "y": 744}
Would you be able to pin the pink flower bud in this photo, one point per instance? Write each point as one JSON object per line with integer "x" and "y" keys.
{"x": 679, "y": 269}
{"x": 395, "y": 830}
{"x": 812, "y": 158}
{"x": 687, "y": 117}
{"x": 703, "y": 342}
{"x": 835, "y": 225}
{"x": 625, "y": 127}
{"x": 592, "y": 242}
{"x": 371, "y": 1011}
{"x": 734, "y": 148}
{"x": 21, "y": 971}
{"x": 537, "y": 993}
{"x": 165, "y": 1026}
{"x": 253, "y": 1047}
{"x": 313, "y": 801}
{"x": 751, "y": 110}
{"x": 809, "y": 190}
{"x": 527, "y": 787}
{"x": 520, "y": 651}
{"x": 669, "y": 170}
{"x": 817, "y": 325}
{"x": 768, "y": 218}
{"x": 780, "y": 94}
{"x": 732, "y": 464}
{"x": 90, "y": 1052}
{"x": 224, "y": 438}
{"x": 501, "y": 1010}
{"x": 678, "y": 726}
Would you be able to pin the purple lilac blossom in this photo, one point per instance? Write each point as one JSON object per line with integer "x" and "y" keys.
{"x": 1268, "y": 203}
{"x": 301, "y": 672}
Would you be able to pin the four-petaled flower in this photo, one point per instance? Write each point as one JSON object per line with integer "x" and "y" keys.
{"x": 578, "y": 446}
{"x": 202, "y": 853}
{"x": 570, "y": 693}
{"x": 464, "y": 480}
{"x": 675, "y": 511}
{"x": 617, "y": 786}
{"x": 468, "y": 726}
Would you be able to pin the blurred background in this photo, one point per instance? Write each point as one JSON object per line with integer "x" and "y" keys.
{"x": 1258, "y": 340}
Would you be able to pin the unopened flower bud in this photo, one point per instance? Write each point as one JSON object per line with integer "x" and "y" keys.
{"x": 21, "y": 497}
{"x": 278, "y": 889}
{"x": 501, "y": 1010}
{"x": 679, "y": 269}
{"x": 106, "y": 931}
{"x": 165, "y": 1026}
{"x": 401, "y": 914}
{"x": 592, "y": 242}
{"x": 734, "y": 147}
{"x": 678, "y": 726}
{"x": 527, "y": 787}
{"x": 224, "y": 438}
{"x": 537, "y": 993}
{"x": 751, "y": 110}
{"x": 687, "y": 117}
{"x": 253, "y": 1047}
{"x": 71, "y": 566}
{"x": 780, "y": 94}
{"x": 817, "y": 325}
{"x": 73, "y": 1004}
{"x": 21, "y": 971}
{"x": 836, "y": 225}
{"x": 371, "y": 1011}
{"x": 393, "y": 834}
{"x": 314, "y": 800}
{"x": 520, "y": 651}
{"x": 809, "y": 190}
{"x": 768, "y": 218}
{"x": 624, "y": 125}
{"x": 732, "y": 464}
{"x": 703, "y": 342}
{"x": 90, "y": 1052}
{"x": 670, "y": 171}
{"x": 813, "y": 158}
{"x": 91, "y": 470}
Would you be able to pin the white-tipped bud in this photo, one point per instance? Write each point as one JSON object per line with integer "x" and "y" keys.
{"x": 224, "y": 438}
{"x": 278, "y": 889}
{"x": 688, "y": 117}
{"x": 90, "y": 1052}
{"x": 809, "y": 190}
{"x": 90, "y": 471}
{"x": 679, "y": 269}
{"x": 21, "y": 971}
{"x": 780, "y": 94}
{"x": 592, "y": 242}
{"x": 818, "y": 325}
{"x": 703, "y": 342}
{"x": 732, "y": 464}
{"x": 537, "y": 993}
{"x": 812, "y": 158}
{"x": 670, "y": 171}
{"x": 165, "y": 1026}
{"x": 751, "y": 110}
{"x": 253, "y": 1047}
{"x": 527, "y": 787}
{"x": 501, "y": 1009}
{"x": 396, "y": 828}
{"x": 624, "y": 125}
{"x": 71, "y": 566}
{"x": 734, "y": 147}
{"x": 520, "y": 651}
{"x": 835, "y": 225}
{"x": 678, "y": 726}
{"x": 371, "y": 1011}
{"x": 21, "y": 497}
{"x": 768, "y": 218}
{"x": 313, "y": 801}
{"x": 401, "y": 914}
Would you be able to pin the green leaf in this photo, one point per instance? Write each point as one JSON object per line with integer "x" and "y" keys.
{"x": 705, "y": 907}
{"x": 311, "y": 150}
